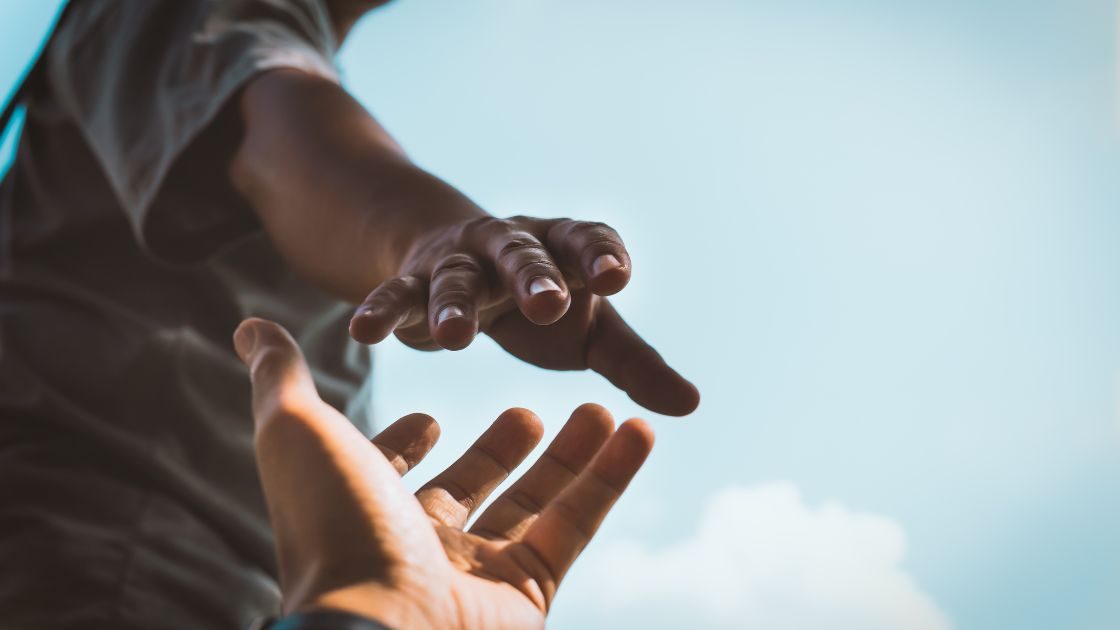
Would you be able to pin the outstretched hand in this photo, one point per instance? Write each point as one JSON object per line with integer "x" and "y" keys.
{"x": 350, "y": 537}
{"x": 538, "y": 288}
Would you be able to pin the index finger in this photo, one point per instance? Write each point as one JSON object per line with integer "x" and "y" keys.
{"x": 525, "y": 267}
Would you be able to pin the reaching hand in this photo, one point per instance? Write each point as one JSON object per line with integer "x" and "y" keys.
{"x": 537, "y": 287}
{"x": 350, "y": 537}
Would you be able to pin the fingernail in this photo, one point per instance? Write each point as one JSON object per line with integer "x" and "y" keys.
{"x": 245, "y": 341}
{"x": 361, "y": 315}
{"x": 449, "y": 312}
{"x": 542, "y": 285}
{"x": 606, "y": 262}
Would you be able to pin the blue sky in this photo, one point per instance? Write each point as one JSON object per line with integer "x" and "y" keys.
{"x": 881, "y": 237}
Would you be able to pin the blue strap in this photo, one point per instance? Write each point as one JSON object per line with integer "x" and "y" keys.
{"x": 34, "y": 70}
{"x": 320, "y": 620}
{"x": 14, "y": 100}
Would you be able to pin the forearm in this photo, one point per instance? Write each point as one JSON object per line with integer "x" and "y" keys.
{"x": 338, "y": 197}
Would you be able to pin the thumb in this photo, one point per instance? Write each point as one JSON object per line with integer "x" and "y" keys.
{"x": 632, "y": 365}
{"x": 277, "y": 369}
{"x": 334, "y": 501}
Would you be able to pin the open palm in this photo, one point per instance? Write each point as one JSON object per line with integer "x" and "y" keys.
{"x": 350, "y": 537}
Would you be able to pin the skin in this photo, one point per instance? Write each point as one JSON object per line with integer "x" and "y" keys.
{"x": 350, "y": 212}
{"x": 350, "y": 537}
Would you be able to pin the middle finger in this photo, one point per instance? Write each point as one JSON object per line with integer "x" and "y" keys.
{"x": 525, "y": 268}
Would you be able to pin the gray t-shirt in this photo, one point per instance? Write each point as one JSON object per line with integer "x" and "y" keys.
{"x": 128, "y": 488}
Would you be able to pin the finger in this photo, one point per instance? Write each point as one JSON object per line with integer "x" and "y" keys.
{"x": 567, "y": 524}
{"x": 453, "y": 495}
{"x": 458, "y": 287}
{"x": 395, "y": 303}
{"x": 405, "y": 442}
{"x": 618, "y": 353}
{"x": 527, "y": 270}
{"x": 593, "y": 252}
{"x": 577, "y": 442}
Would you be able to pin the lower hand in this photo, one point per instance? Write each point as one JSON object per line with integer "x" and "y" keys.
{"x": 350, "y": 537}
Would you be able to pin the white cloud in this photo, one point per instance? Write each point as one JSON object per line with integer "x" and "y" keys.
{"x": 761, "y": 558}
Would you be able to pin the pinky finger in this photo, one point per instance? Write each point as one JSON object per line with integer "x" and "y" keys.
{"x": 394, "y": 304}
{"x": 407, "y": 441}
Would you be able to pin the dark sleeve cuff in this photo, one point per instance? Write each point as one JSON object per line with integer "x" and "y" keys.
{"x": 321, "y": 620}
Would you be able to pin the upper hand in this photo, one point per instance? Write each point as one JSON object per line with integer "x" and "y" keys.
{"x": 538, "y": 288}
{"x": 350, "y": 537}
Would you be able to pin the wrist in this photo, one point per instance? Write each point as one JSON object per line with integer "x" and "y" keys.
{"x": 385, "y": 606}
{"x": 418, "y": 209}
{"x": 320, "y": 620}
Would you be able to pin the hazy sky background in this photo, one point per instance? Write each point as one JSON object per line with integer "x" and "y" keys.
{"x": 881, "y": 237}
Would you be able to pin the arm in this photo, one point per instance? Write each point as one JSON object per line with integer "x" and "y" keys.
{"x": 319, "y": 170}
{"x": 349, "y": 536}
{"x": 351, "y": 213}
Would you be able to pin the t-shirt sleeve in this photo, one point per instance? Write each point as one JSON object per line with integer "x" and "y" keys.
{"x": 150, "y": 86}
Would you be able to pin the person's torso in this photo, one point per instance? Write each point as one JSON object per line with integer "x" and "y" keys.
{"x": 101, "y": 343}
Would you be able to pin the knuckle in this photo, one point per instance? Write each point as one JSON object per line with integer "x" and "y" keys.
{"x": 487, "y": 226}
{"x": 279, "y": 433}
{"x": 534, "y": 268}
{"x": 458, "y": 279}
{"x": 268, "y": 365}
{"x": 582, "y": 233}
{"x": 594, "y": 230}
{"x": 457, "y": 263}
{"x": 582, "y": 225}
{"x": 522, "y": 253}
{"x": 594, "y": 247}
{"x": 575, "y": 518}
{"x": 525, "y": 501}
{"x": 397, "y": 289}
{"x": 458, "y": 295}
{"x": 534, "y": 225}
{"x": 400, "y": 283}
{"x": 288, "y": 414}
{"x": 458, "y": 275}
{"x": 289, "y": 408}
{"x": 520, "y": 244}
